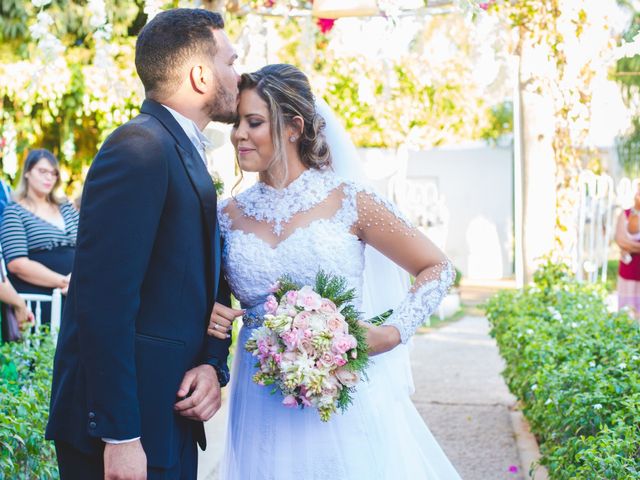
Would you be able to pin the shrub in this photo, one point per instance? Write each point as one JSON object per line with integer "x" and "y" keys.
{"x": 25, "y": 385}
{"x": 575, "y": 368}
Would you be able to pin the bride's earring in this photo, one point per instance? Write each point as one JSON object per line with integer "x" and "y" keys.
{"x": 293, "y": 138}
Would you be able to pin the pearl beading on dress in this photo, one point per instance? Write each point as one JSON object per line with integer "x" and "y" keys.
{"x": 331, "y": 244}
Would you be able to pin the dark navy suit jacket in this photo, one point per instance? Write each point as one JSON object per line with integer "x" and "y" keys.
{"x": 144, "y": 281}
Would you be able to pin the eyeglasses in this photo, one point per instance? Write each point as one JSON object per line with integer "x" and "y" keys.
{"x": 47, "y": 173}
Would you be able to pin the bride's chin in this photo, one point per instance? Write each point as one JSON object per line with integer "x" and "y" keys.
{"x": 249, "y": 167}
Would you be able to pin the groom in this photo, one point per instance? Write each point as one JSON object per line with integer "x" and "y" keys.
{"x": 135, "y": 374}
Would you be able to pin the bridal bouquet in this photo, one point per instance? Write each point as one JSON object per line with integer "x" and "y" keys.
{"x": 310, "y": 346}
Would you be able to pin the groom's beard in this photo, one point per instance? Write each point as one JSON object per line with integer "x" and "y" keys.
{"x": 223, "y": 107}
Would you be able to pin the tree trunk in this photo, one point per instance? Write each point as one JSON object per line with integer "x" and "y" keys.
{"x": 538, "y": 161}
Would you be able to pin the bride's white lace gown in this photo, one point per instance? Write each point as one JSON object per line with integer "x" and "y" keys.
{"x": 321, "y": 222}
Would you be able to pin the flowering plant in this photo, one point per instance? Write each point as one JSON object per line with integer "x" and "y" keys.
{"x": 311, "y": 347}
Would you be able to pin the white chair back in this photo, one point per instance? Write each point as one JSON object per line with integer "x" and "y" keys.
{"x": 594, "y": 226}
{"x": 34, "y": 303}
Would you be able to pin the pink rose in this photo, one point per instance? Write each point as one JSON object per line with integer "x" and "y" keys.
{"x": 271, "y": 305}
{"x": 289, "y": 357}
{"x": 263, "y": 347}
{"x": 336, "y": 323}
{"x": 327, "y": 306}
{"x": 290, "y": 339}
{"x": 327, "y": 360}
{"x": 305, "y": 346}
{"x": 290, "y": 401}
{"x": 291, "y": 297}
{"x": 301, "y": 320}
{"x": 308, "y": 299}
{"x": 339, "y": 360}
{"x": 341, "y": 344}
{"x": 347, "y": 377}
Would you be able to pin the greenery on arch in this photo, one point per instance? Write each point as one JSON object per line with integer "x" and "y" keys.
{"x": 69, "y": 106}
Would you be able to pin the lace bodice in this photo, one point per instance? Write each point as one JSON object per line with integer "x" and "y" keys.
{"x": 321, "y": 222}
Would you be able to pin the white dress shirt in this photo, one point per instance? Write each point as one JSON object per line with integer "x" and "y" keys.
{"x": 199, "y": 140}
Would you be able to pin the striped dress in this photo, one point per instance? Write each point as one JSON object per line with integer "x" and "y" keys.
{"x": 24, "y": 234}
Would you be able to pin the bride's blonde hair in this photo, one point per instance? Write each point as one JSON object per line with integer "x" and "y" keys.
{"x": 287, "y": 93}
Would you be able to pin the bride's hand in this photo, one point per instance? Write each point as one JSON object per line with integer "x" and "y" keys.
{"x": 382, "y": 338}
{"x": 221, "y": 321}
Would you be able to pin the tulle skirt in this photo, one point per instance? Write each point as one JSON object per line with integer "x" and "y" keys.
{"x": 380, "y": 437}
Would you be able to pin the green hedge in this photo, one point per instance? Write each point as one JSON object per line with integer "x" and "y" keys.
{"x": 575, "y": 367}
{"x": 25, "y": 385}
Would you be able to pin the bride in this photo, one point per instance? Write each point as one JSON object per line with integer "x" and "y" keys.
{"x": 299, "y": 218}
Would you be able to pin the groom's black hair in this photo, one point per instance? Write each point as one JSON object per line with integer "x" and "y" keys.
{"x": 167, "y": 41}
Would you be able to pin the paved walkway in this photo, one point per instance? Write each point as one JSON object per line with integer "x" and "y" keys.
{"x": 460, "y": 394}
{"x": 464, "y": 400}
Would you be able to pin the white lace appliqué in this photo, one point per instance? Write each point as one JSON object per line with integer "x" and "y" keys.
{"x": 278, "y": 206}
{"x": 426, "y": 294}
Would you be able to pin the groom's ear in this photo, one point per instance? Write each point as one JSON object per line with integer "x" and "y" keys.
{"x": 201, "y": 78}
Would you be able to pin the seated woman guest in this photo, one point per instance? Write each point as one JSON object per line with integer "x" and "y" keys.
{"x": 39, "y": 230}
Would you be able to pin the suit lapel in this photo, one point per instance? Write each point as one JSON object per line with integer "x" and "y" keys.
{"x": 200, "y": 180}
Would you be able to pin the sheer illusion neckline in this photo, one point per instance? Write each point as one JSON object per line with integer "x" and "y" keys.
{"x": 265, "y": 187}
{"x": 277, "y": 207}
{"x": 299, "y": 231}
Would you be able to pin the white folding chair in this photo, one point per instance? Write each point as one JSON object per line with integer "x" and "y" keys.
{"x": 34, "y": 303}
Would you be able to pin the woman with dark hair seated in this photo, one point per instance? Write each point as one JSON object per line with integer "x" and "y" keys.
{"x": 39, "y": 231}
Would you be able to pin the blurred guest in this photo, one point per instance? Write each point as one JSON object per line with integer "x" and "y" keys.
{"x": 14, "y": 309}
{"x": 39, "y": 230}
{"x": 5, "y": 196}
{"x": 628, "y": 239}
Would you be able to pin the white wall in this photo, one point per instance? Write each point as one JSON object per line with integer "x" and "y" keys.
{"x": 477, "y": 183}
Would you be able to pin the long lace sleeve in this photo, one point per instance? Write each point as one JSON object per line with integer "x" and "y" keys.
{"x": 382, "y": 226}
{"x": 422, "y": 300}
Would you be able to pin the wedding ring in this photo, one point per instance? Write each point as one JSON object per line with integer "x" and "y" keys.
{"x": 215, "y": 326}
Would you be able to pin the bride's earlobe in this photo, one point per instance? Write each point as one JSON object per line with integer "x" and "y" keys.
{"x": 296, "y": 128}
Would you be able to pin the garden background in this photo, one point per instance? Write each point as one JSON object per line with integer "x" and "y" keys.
{"x": 548, "y": 87}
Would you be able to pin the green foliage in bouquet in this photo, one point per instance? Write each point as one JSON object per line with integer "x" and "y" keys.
{"x": 335, "y": 288}
{"x": 25, "y": 383}
{"x": 575, "y": 367}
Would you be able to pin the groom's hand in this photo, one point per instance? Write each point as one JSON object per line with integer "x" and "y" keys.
{"x": 125, "y": 461}
{"x": 202, "y": 385}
